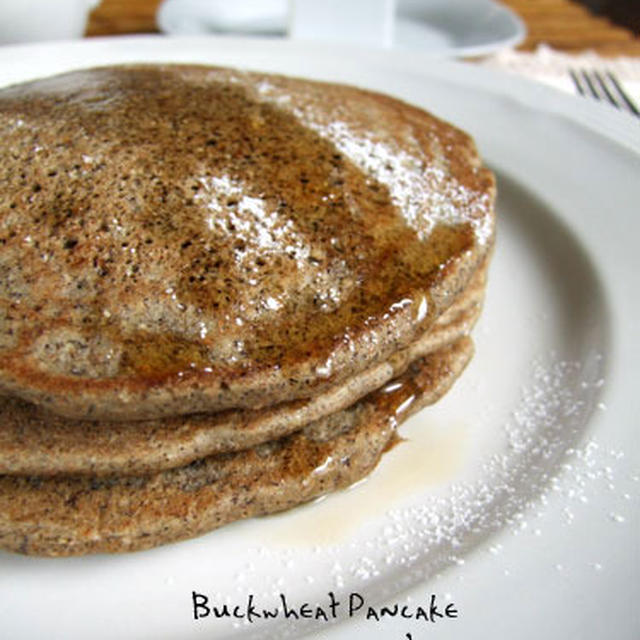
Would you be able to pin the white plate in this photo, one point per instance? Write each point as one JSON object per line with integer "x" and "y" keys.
{"x": 515, "y": 498}
{"x": 454, "y": 28}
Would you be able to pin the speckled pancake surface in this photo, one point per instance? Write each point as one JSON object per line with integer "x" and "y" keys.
{"x": 33, "y": 441}
{"x": 184, "y": 239}
{"x": 73, "y": 515}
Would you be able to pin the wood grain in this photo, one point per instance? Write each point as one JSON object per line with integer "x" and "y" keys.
{"x": 569, "y": 26}
{"x": 113, "y": 17}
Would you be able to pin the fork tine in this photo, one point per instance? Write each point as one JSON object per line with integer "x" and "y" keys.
{"x": 597, "y": 77}
{"x": 623, "y": 94}
{"x": 576, "y": 82}
{"x": 591, "y": 85}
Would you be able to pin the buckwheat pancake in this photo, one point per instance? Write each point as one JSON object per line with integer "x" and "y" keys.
{"x": 181, "y": 239}
{"x": 67, "y": 515}
{"x": 34, "y": 441}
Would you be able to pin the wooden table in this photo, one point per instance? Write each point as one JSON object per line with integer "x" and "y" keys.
{"x": 562, "y": 24}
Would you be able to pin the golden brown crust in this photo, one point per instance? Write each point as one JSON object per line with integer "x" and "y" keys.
{"x": 181, "y": 239}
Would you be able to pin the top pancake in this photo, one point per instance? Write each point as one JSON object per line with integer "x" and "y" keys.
{"x": 180, "y": 238}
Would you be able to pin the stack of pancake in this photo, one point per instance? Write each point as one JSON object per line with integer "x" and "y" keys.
{"x": 220, "y": 293}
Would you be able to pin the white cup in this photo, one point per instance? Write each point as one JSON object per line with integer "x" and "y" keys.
{"x": 357, "y": 22}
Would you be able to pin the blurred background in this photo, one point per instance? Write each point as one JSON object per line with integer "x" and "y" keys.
{"x": 609, "y": 27}
{"x": 585, "y": 47}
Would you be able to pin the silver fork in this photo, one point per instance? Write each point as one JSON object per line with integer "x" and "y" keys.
{"x": 603, "y": 86}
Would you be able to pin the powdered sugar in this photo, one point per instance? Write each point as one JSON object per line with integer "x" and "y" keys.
{"x": 540, "y": 452}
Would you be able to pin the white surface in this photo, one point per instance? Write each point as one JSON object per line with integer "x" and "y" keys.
{"x": 455, "y": 28}
{"x": 553, "y": 67}
{"x": 516, "y": 497}
{"x": 356, "y": 22}
{"x": 38, "y": 20}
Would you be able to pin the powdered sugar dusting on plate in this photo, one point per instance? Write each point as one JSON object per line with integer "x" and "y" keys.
{"x": 541, "y": 452}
